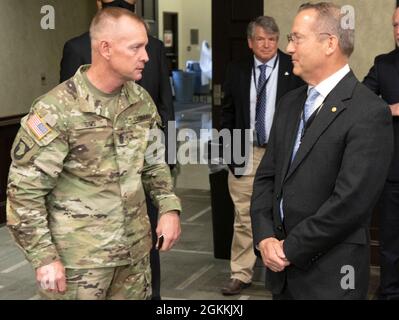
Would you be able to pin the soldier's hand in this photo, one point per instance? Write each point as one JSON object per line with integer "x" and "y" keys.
{"x": 168, "y": 230}
{"x": 51, "y": 277}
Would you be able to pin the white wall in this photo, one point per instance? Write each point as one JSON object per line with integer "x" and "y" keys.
{"x": 197, "y": 15}
{"x": 27, "y": 51}
{"x": 193, "y": 14}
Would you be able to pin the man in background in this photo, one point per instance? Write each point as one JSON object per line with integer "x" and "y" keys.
{"x": 155, "y": 80}
{"x": 383, "y": 79}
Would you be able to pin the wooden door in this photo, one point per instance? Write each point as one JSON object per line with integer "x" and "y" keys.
{"x": 148, "y": 9}
{"x": 171, "y": 39}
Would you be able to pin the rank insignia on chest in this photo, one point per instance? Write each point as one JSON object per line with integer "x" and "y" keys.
{"x": 38, "y": 126}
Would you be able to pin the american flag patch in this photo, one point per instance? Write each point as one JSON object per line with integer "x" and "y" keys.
{"x": 38, "y": 126}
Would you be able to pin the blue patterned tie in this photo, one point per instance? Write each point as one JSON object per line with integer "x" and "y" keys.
{"x": 260, "y": 125}
{"x": 308, "y": 110}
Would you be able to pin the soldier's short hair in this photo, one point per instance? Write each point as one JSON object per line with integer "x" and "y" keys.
{"x": 329, "y": 21}
{"x": 266, "y": 23}
{"x": 106, "y": 18}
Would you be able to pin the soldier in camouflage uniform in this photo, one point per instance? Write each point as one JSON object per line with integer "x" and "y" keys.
{"x": 76, "y": 204}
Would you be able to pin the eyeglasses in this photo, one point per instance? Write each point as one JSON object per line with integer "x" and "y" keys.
{"x": 294, "y": 38}
{"x": 297, "y": 38}
{"x": 325, "y": 33}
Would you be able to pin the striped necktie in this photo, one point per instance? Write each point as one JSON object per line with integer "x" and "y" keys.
{"x": 260, "y": 121}
{"x": 307, "y": 111}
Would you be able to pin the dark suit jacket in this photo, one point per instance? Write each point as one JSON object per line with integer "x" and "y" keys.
{"x": 77, "y": 52}
{"x": 329, "y": 190}
{"x": 155, "y": 80}
{"x": 236, "y": 101}
{"x": 383, "y": 79}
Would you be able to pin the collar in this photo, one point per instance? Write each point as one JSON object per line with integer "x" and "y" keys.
{"x": 327, "y": 85}
{"x": 88, "y": 101}
{"x": 269, "y": 63}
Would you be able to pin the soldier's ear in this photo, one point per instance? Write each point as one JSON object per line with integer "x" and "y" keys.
{"x": 104, "y": 48}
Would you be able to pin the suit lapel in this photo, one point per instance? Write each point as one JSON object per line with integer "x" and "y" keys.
{"x": 246, "y": 75}
{"x": 292, "y": 123}
{"x": 322, "y": 121}
{"x": 332, "y": 107}
{"x": 284, "y": 73}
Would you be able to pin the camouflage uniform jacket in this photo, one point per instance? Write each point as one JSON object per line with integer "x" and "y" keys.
{"x": 75, "y": 189}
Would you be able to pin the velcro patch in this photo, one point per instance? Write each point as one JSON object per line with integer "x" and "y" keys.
{"x": 38, "y": 126}
{"x": 24, "y": 148}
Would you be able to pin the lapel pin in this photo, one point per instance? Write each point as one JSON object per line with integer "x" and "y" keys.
{"x": 334, "y": 109}
{"x": 286, "y": 73}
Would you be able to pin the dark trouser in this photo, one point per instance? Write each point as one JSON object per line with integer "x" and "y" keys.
{"x": 284, "y": 295}
{"x": 388, "y": 209}
{"x": 154, "y": 254}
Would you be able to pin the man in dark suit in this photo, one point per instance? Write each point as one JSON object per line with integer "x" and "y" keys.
{"x": 383, "y": 79}
{"x": 250, "y": 98}
{"x": 155, "y": 80}
{"x": 328, "y": 156}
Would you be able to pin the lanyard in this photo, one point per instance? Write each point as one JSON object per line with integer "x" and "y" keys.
{"x": 259, "y": 93}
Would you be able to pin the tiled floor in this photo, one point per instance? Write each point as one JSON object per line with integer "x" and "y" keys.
{"x": 190, "y": 271}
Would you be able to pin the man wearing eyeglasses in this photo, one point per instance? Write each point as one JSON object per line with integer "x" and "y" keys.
{"x": 383, "y": 79}
{"x": 328, "y": 156}
{"x": 251, "y": 92}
